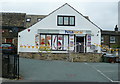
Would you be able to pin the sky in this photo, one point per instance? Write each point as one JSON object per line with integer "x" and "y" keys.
{"x": 104, "y": 13}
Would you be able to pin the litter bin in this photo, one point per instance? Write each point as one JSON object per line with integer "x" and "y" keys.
{"x": 109, "y": 58}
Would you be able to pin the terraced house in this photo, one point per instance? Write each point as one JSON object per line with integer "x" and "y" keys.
{"x": 12, "y": 23}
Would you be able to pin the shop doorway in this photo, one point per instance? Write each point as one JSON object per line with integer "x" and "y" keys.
{"x": 80, "y": 44}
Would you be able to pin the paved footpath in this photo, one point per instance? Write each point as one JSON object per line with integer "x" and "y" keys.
{"x": 60, "y": 71}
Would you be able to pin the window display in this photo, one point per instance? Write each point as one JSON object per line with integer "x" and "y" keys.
{"x": 57, "y": 41}
{"x": 42, "y": 40}
{"x": 66, "y": 42}
{"x": 71, "y": 45}
{"x": 54, "y": 42}
{"x": 48, "y": 41}
{"x": 60, "y": 39}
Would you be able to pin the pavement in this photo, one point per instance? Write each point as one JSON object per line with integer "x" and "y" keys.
{"x": 63, "y": 71}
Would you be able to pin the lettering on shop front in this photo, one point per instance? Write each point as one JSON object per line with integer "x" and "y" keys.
{"x": 73, "y": 32}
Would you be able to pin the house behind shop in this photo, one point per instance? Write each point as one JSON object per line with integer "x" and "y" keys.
{"x": 12, "y": 23}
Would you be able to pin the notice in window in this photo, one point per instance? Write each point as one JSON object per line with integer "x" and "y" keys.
{"x": 60, "y": 38}
{"x": 42, "y": 40}
{"x": 54, "y": 42}
{"x": 36, "y": 39}
{"x": 71, "y": 43}
{"x": 48, "y": 41}
{"x": 89, "y": 40}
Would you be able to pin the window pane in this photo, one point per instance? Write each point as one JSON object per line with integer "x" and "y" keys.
{"x": 60, "y": 44}
{"x": 42, "y": 42}
{"x": 28, "y": 20}
{"x": 71, "y": 42}
{"x": 48, "y": 41}
{"x": 38, "y": 19}
{"x": 65, "y": 42}
{"x": 112, "y": 39}
{"x": 65, "y": 20}
{"x": 60, "y": 20}
{"x": 72, "y": 21}
{"x": 54, "y": 42}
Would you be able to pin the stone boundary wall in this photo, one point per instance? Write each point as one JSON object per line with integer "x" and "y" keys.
{"x": 73, "y": 57}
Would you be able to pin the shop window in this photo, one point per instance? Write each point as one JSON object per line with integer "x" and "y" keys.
{"x": 28, "y": 19}
{"x": 57, "y": 41}
{"x": 112, "y": 39}
{"x": 66, "y": 20}
{"x": 102, "y": 39}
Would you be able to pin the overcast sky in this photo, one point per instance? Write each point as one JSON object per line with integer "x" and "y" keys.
{"x": 103, "y": 13}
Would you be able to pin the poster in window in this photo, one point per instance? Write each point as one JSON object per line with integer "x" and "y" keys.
{"x": 48, "y": 41}
{"x": 89, "y": 40}
{"x": 42, "y": 40}
{"x": 71, "y": 43}
{"x": 36, "y": 39}
{"x": 54, "y": 42}
{"x": 66, "y": 42}
{"x": 60, "y": 38}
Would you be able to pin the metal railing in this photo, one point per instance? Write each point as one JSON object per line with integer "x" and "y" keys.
{"x": 10, "y": 66}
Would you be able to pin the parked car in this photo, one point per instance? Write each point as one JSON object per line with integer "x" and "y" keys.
{"x": 118, "y": 59}
{"x": 109, "y": 58}
{"x": 8, "y": 48}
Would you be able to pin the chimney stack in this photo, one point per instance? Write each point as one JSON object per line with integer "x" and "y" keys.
{"x": 116, "y": 28}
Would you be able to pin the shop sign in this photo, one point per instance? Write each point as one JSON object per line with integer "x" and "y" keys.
{"x": 69, "y": 32}
{"x": 73, "y": 32}
{"x": 89, "y": 40}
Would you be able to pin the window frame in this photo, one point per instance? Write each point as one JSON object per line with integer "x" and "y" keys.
{"x": 64, "y": 21}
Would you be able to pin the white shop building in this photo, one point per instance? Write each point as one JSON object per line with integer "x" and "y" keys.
{"x": 62, "y": 30}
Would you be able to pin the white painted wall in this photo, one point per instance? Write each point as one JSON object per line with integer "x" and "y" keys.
{"x": 50, "y": 22}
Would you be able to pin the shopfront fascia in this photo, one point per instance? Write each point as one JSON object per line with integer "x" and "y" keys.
{"x": 63, "y": 40}
{"x": 82, "y": 39}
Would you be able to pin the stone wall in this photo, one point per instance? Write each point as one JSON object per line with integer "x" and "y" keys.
{"x": 13, "y": 19}
{"x": 33, "y": 19}
{"x": 106, "y": 35}
{"x": 73, "y": 57}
